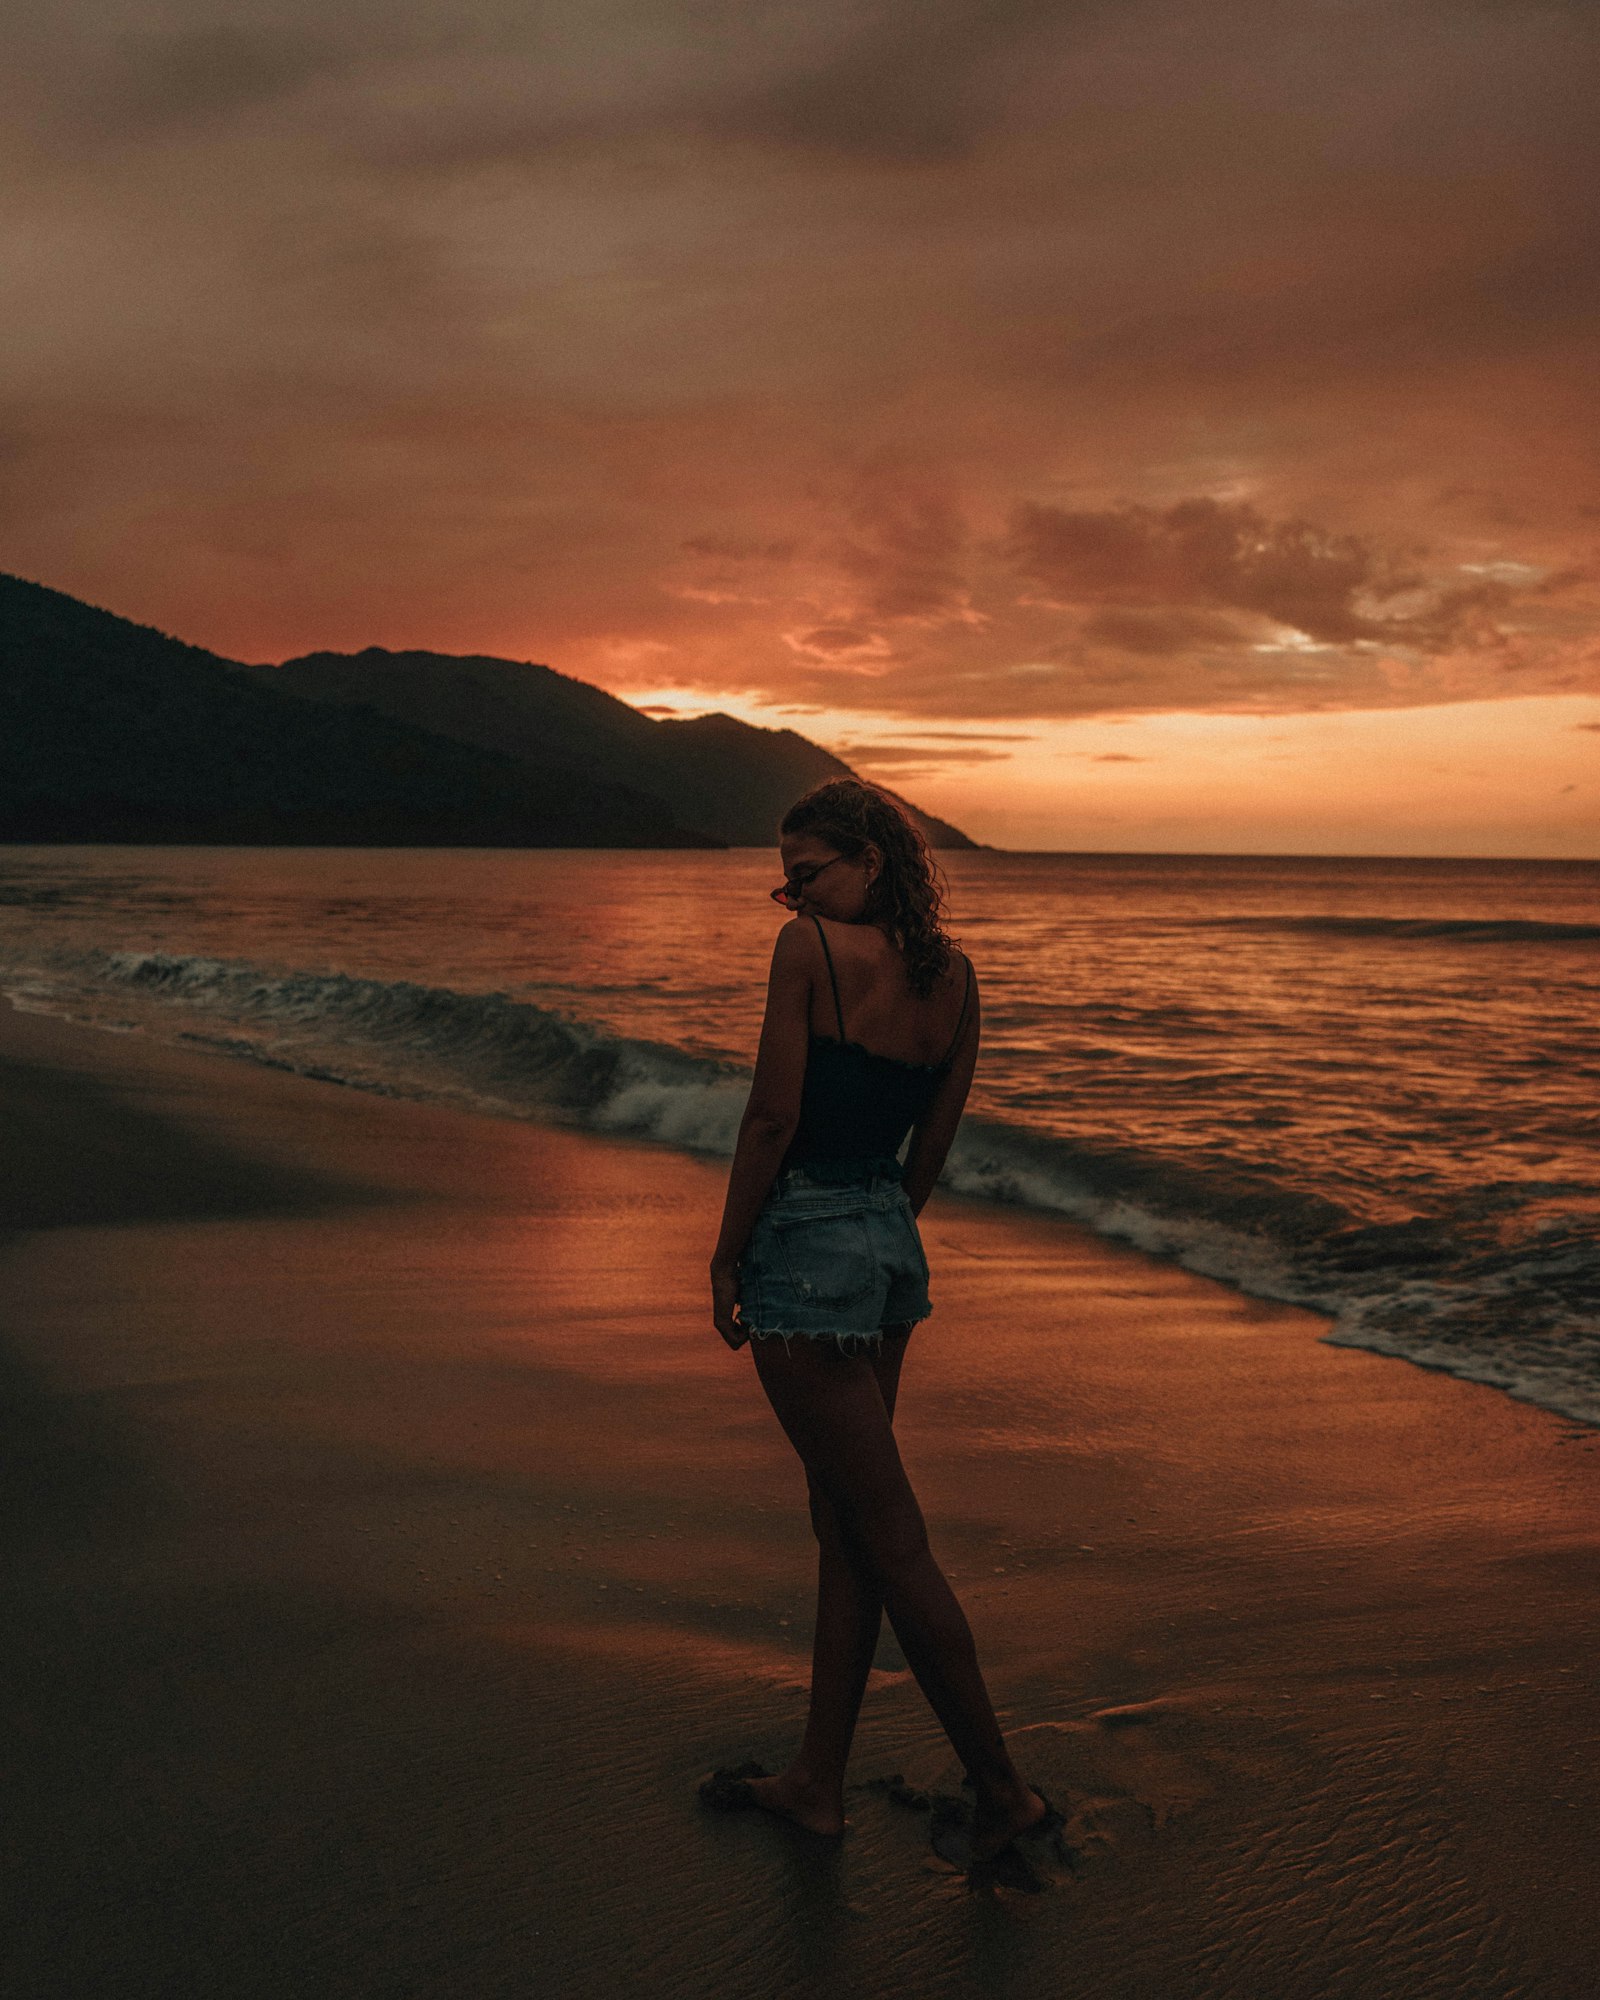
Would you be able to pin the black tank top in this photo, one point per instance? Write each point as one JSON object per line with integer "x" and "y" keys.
{"x": 857, "y": 1107}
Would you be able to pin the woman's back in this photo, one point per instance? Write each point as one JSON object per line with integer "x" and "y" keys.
{"x": 864, "y": 1091}
{"x": 870, "y": 1001}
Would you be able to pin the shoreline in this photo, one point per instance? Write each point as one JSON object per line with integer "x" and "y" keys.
{"x": 689, "y": 1104}
{"x": 395, "y": 1543}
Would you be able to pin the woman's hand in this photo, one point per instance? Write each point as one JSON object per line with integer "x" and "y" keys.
{"x": 725, "y": 1304}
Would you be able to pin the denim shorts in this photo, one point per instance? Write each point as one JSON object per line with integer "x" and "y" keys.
{"x": 834, "y": 1256}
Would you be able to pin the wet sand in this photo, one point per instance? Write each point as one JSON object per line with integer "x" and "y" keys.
{"x": 390, "y": 1544}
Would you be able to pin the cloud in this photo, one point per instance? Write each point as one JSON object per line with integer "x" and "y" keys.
{"x": 739, "y": 548}
{"x": 872, "y": 89}
{"x": 1201, "y": 602}
{"x": 972, "y": 736}
{"x": 1339, "y": 588}
{"x": 1165, "y": 632}
{"x": 159, "y": 78}
{"x": 839, "y": 643}
{"x": 904, "y": 552}
{"x": 995, "y": 360}
{"x": 898, "y": 87}
{"x": 886, "y": 755}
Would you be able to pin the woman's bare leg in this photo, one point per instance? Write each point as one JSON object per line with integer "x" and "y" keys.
{"x": 832, "y": 1408}
{"x": 844, "y": 1644}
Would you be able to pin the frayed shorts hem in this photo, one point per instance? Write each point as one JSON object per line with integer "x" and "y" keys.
{"x": 870, "y": 1341}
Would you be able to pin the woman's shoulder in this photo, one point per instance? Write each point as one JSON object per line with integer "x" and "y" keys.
{"x": 959, "y": 969}
{"x": 807, "y": 937}
{"x": 796, "y": 942}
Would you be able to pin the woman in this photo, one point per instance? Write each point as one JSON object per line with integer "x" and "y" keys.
{"x": 871, "y": 1031}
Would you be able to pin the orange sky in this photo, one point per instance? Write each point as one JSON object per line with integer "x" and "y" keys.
{"x": 1120, "y": 425}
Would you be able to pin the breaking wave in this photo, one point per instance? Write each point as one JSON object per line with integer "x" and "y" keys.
{"x": 498, "y": 1054}
{"x": 1500, "y": 1285}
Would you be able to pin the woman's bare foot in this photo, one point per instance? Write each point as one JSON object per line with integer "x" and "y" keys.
{"x": 998, "y": 1820}
{"x": 791, "y": 1795}
{"x": 818, "y": 1808}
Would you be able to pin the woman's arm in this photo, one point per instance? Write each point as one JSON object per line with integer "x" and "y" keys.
{"x": 772, "y": 1113}
{"x": 930, "y": 1142}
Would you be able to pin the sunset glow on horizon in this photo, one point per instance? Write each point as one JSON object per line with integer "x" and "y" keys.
{"x": 1118, "y": 428}
{"x": 1474, "y": 779}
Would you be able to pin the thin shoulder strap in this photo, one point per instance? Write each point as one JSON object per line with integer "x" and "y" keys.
{"x": 833, "y": 980}
{"x": 966, "y": 1001}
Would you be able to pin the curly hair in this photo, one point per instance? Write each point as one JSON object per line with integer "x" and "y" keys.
{"x": 907, "y": 897}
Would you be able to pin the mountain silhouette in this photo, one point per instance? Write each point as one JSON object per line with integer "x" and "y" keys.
{"x": 727, "y": 778}
{"x": 112, "y": 731}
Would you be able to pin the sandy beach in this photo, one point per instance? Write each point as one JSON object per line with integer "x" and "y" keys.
{"x": 391, "y": 1544}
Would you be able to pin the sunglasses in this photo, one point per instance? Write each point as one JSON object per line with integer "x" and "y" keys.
{"x": 793, "y": 887}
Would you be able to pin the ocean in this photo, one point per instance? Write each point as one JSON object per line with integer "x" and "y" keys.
{"x": 1369, "y": 1087}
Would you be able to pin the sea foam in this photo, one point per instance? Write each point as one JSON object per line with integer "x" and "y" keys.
{"x": 1473, "y": 1291}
